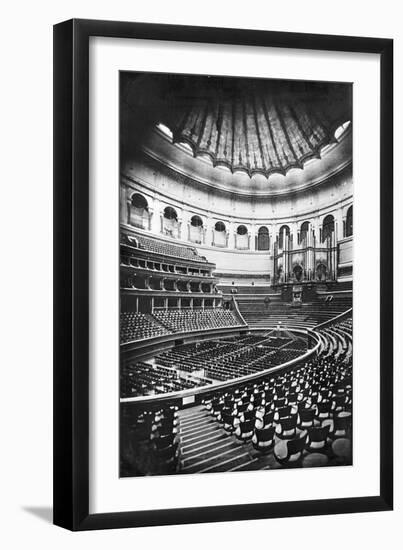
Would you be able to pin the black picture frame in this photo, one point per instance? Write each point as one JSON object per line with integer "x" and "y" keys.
{"x": 71, "y": 274}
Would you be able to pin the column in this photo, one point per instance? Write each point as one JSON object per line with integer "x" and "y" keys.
{"x": 124, "y": 202}
{"x": 252, "y": 239}
{"x": 150, "y": 218}
{"x": 156, "y": 226}
{"x": 231, "y": 237}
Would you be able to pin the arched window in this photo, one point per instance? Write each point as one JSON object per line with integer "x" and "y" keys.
{"x": 196, "y": 229}
{"x": 349, "y": 222}
{"x": 284, "y": 232}
{"x": 170, "y": 222}
{"x": 263, "y": 239}
{"x": 196, "y": 221}
{"x": 327, "y": 228}
{"x": 303, "y": 232}
{"x": 242, "y": 238}
{"x": 170, "y": 213}
{"x": 297, "y": 272}
{"x": 321, "y": 272}
{"x": 219, "y": 227}
{"x": 139, "y": 215}
{"x": 220, "y": 235}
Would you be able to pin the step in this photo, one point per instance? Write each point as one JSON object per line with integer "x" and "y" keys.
{"x": 203, "y": 456}
{"x": 196, "y": 443}
{"x": 219, "y": 460}
{"x": 190, "y": 450}
{"x": 226, "y": 464}
{"x": 199, "y": 435}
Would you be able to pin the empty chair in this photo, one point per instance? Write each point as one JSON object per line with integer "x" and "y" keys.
{"x": 263, "y": 439}
{"x": 283, "y": 412}
{"x": 281, "y": 403}
{"x": 290, "y": 452}
{"x": 317, "y": 438}
{"x": 286, "y": 428}
{"x": 244, "y": 430}
{"x": 341, "y": 447}
{"x": 339, "y": 402}
{"x": 306, "y": 418}
{"x": 323, "y": 410}
{"x": 266, "y": 420}
{"x": 339, "y": 425}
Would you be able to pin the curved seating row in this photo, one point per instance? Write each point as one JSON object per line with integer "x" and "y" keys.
{"x": 298, "y": 417}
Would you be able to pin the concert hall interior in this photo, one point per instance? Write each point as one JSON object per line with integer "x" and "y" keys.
{"x": 236, "y": 274}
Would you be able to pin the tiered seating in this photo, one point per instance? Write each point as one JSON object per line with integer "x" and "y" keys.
{"x": 145, "y": 379}
{"x": 188, "y": 320}
{"x": 168, "y": 249}
{"x": 137, "y": 326}
{"x": 230, "y": 359}
{"x": 258, "y": 314}
{"x": 300, "y": 417}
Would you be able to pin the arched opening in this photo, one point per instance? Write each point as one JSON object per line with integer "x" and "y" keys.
{"x": 242, "y": 238}
{"x": 327, "y": 228}
{"x": 321, "y": 271}
{"x": 303, "y": 235}
{"x": 170, "y": 222}
{"x": 139, "y": 215}
{"x": 220, "y": 234}
{"x": 283, "y": 233}
{"x": 349, "y": 222}
{"x": 263, "y": 239}
{"x": 297, "y": 272}
{"x": 196, "y": 230}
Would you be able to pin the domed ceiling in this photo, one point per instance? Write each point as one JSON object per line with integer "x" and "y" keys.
{"x": 248, "y": 125}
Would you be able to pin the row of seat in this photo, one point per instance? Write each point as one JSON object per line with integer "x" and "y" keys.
{"x": 224, "y": 360}
{"x": 146, "y": 379}
{"x": 296, "y": 414}
{"x": 188, "y": 320}
{"x": 138, "y": 326}
{"x": 301, "y": 417}
{"x": 257, "y": 313}
{"x": 165, "y": 248}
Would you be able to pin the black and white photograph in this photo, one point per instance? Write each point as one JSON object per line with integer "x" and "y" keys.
{"x": 236, "y": 274}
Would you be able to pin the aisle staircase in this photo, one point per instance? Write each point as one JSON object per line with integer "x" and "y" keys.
{"x": 206, "y": 447}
